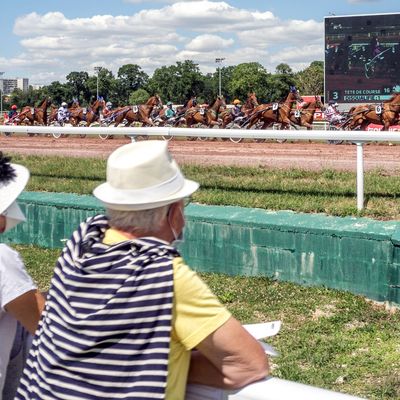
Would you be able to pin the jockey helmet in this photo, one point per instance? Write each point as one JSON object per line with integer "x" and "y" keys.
{"x": 13, "y": 107}
{"x": 169, "y": 103}
{"x": 236, "y": 101}
{"x": 64, "y": 104}
{"x": 108, "y": 104}
{"x": 335, "y": 104}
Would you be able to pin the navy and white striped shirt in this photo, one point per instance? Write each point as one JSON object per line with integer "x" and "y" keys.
{"x": 105, "y": 331}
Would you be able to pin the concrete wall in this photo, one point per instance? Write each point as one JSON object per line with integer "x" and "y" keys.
{"x": 355, "y": 254}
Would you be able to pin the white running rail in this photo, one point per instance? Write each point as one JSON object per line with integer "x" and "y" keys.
{"x": 268, "y": 389}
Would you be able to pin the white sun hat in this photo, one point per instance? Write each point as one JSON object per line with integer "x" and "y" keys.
{"x": 142, "y": 176}
{"x": 13, "y": 179}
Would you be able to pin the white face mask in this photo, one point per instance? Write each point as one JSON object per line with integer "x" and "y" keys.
{"x": 178, "y": 239}
{"x": 14, "y": 216}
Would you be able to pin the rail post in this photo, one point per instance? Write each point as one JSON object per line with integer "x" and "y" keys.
{"x": 360, "y": 176}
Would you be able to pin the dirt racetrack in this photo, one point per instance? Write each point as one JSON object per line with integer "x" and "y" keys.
{"x": 299, "y": 154}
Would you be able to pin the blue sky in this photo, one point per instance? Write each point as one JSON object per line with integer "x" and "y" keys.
{"x": 45, "y": 40}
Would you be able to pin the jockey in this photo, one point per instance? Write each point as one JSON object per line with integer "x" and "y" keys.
{"x": 332, "y": 114}
{"x": 169, "y": 111}
{"x": 63, "y": 113}
{"x": 237, "y": 109}
{"x": 12, "y": 113}
{"x": 107, "y": 109}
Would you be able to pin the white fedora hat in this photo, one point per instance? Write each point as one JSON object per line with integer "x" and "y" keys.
{"x": 13, "y": 179}
{"x": 142, "y": 176}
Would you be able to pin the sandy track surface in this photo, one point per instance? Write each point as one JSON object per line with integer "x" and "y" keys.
{"x": 272, "y": 154}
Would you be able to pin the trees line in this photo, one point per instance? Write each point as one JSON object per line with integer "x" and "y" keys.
{"x": 177, "y": 83}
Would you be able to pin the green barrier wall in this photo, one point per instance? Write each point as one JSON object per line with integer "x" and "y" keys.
{"x": 355, "y": 254}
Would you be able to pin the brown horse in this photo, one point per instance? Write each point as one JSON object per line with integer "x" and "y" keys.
{"x": 140, "y": 113}
{"x": 305, "y": 115}
{"x": 274, "y": 112}
{"x": 52, "y": 117}
{"x": 36, "y": 114}
{"x": 205, "y": 116}
{"x": 247, "y": 109}
{"x": 365, "y": 114}
{"x": 92, "y": 113}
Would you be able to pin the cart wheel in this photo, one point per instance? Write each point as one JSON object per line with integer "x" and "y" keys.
{"x": 103, "y": 136}
{"x": 167, "y": 137}
{"x": 56, "y": 135}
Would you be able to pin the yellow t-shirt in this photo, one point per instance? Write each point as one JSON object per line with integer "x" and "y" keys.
{"x": 196, "y": 313}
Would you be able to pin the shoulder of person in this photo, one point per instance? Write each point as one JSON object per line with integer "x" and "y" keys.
{"x": 9, "y": 258}
{"x": 7, "y": 251}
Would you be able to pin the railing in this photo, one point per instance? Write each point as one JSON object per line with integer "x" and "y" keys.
{"x": 268, "y": 389}
{"x": 357, "y": 137}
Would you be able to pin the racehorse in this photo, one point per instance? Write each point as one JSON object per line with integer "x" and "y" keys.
{"x": 36, "y": 114}
{"x": 250, "y": 105}
{"x": 140, "y": 113}
{"x": 305, "y": 115}
{"x": 208, "y": 117}
{"x": 274, "y": 112}
{"x": 365, "y": 114}
{"x": 52, "y": 117}
{"x": 92, "y": 114}
{"x": 247, "y": 108}
{"x": 192, "y": 102}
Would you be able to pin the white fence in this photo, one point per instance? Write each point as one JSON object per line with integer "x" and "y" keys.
{"x": 268, "y": 389}
{"x": 357, "y": 137}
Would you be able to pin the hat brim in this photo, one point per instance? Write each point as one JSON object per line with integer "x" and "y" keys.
{"x": 10, "y": 191}
{"x": 123, "y": 201}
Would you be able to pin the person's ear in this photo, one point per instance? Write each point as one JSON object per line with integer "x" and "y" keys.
{"x": 173, "y": 211}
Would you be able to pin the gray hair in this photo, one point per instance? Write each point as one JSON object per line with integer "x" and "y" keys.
{"x": 138, "y": 221}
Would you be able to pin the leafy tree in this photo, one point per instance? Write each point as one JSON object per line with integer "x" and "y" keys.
{"x": 310, "y": 81}
{"x": 130, "y": 79}
{"x": 177, "y": 82}
{"x": 31, "y": 97}
{"x": 162, "y": 82}
{"x": 57, "y": 92}
{"x": 249, "y": 77}
{"x": 17, "y": 98}
{"x": 139, "y": 96}
{"x": 280, "y": 82}
{"x": 283, "y": 69}
{"x": 107, "y": 86}
{"x": 77, "y": 85}
{"x": 211, "y": 84}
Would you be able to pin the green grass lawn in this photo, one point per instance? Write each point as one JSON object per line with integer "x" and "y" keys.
{"x": 327, "y": 191}
{"x": 329, "y": 338}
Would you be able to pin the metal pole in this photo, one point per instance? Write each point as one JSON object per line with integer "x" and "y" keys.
{"x": 219, "y": 80}
{"x": 360, "y": 176}
{"x": 219, "y": 61}
{"x": 1, "y": 93}
{"x": 97, "y": 69}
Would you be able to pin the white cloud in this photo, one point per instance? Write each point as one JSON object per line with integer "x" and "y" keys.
{"x": 208, "y": 42}
{"x": 54, "y": 45}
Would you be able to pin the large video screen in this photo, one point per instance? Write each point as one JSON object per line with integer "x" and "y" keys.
{"x": 362, "y": 57}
